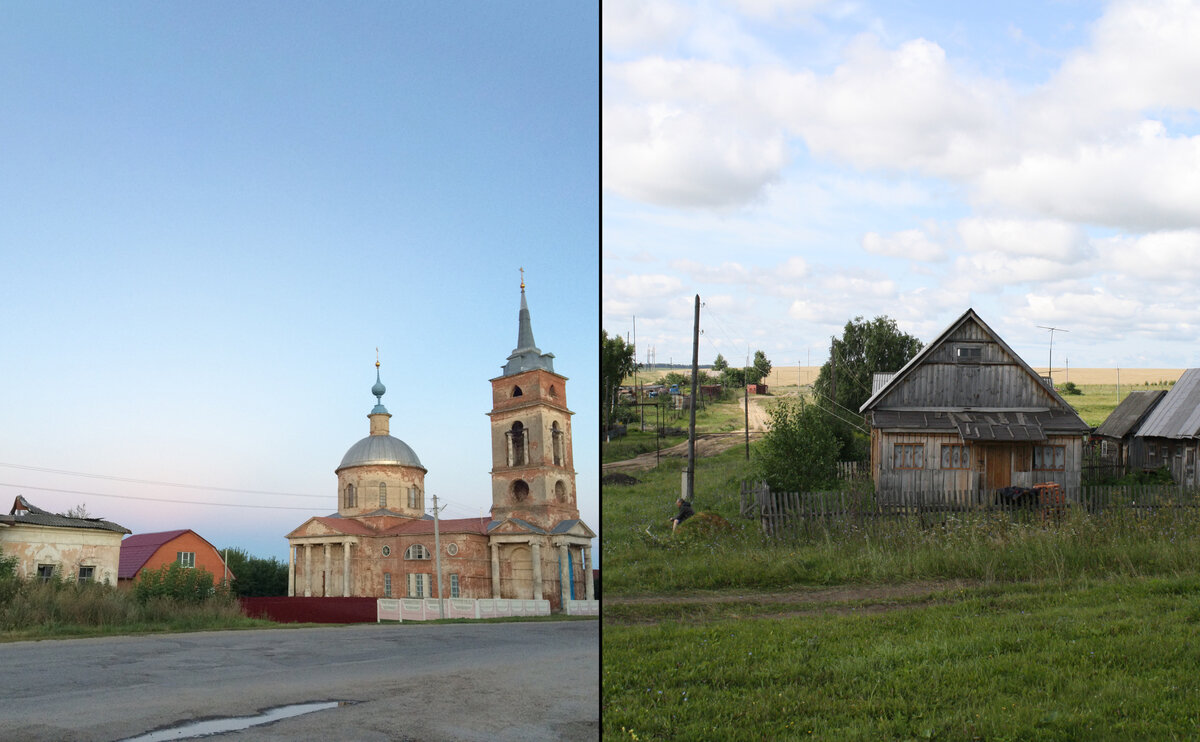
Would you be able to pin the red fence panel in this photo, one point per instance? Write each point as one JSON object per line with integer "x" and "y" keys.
{"x": 311, "y": 610}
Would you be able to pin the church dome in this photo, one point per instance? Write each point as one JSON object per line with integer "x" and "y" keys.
{"x": 380, "y": 449}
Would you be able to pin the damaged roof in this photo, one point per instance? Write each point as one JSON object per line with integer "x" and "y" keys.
{"x": 24, "y": 511}
{"x": 1130, "y": 413}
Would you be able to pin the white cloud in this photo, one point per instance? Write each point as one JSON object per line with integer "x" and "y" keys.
{"x": 1052, "y": 240}
{"x": 634, "y": 24}
{"x": 912, "y": 244}
{"x": 1167, "y": 257}
{"x": 640, "y": 285}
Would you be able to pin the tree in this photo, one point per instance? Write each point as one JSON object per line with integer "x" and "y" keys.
{"x": 255, "y": 576}
{"x": 762, "y": 365}
{"x": 733, "y": 377}
{"x": 720, "y": 364}
{"x": 616, "y": 362}
{"x": 79, "y": 511}
{"x": 800, "y": 450}
{"x": 864, "y": 348}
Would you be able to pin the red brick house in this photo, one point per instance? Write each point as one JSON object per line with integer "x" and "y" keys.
{"x": 153, "y": 550}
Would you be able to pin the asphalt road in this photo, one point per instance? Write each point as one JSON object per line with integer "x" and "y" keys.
{"x": 496, "y": 681}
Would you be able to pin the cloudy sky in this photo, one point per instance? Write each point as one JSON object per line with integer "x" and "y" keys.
{"x": 798, "y": 163}
{"x": 212, "y": 214}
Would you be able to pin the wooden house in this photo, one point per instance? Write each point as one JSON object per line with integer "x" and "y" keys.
{"x": 966, "y": 417}
{"x": 1170, "y": 435}
{"x": 1116, "y": 435}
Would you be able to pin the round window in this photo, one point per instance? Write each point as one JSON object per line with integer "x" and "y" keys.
{"x": 451, "y": 549}
{"x": 387, "y": 551}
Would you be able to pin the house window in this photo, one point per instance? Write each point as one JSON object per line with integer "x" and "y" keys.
{"x": 418, "y": 586}
{"x": 414, "y": 498}
{"x": 1152, "y": 451}
{"x": 908, "y": 456}
{"x": 452, "y": 549}
{"x": 1049, "y": 458}
{"x": 186, "y": 559}
{"x": 968, "y": 354}
{"x": 382, "y": 494}
{"x": 387, "y": 584}
{"x": 351, "y": 499}
{"x": 86, "y": 574}
{"x": 416, "y": 551}
{"x": 454, "y": 586}
{"x": 45, "y": 572}
{"x": 956, "y": 456}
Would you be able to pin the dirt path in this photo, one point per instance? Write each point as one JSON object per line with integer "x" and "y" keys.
{"x": 707, "y": 444}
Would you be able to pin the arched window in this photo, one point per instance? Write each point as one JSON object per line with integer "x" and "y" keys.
{"x": 553, "y": 392}
{"x": 516, "y": 392}
{"x": 556, "y": 436}
{"x": 351, "y": 499}
{"x": 518, "y": 445}
{"x": 416, "y": 551}
{"x": 383, "y": 494}
{"x": 520, "y": 491}
{"x": 560, "y": 491}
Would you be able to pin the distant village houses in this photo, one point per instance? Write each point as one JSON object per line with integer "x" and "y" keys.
{"x": 51, "y": 546}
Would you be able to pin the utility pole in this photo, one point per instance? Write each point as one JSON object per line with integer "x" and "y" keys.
{"x": 833, "y": 361}
{"x": 746, "y": 399}
{"x": 691, "y": 470}
{"x": 1050, "y": 367}
{"x": 636, "y": 385}
{"x": 437, "y": 556}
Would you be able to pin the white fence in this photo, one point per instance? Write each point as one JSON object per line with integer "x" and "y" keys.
{"x": 583, "y": 608}
{"x": 426, "y": 609}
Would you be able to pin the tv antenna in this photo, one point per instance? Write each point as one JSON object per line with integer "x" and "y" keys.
{"x": 1050, "y": 366}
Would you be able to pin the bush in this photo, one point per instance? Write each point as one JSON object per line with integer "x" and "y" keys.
{"x": 174, "y": 582}
{"x": 800, "y": 451}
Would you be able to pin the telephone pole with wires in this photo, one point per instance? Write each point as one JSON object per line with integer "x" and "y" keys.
{"x": 437, "y": 557}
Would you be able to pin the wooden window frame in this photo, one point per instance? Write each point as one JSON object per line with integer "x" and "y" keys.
{"x": 1057, "y": 455}
{"x": 905, "y": 456}
{"x": 87, "y": 573}
{"x": 964, "y": 453}
{"x": 416, "y": 551}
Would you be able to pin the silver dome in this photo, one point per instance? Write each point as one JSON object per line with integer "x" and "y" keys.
{"x": 380, "y": 449}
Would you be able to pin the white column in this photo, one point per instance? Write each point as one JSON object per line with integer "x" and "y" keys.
{"x": 587, "y": 573}
{"x": 346, "y": 569}
{"x": 495, "y": 570}
{"x": 537, "y": 569}
{"x": 308, "y": 570}
{"x": 291, "y": 570}
{"x": 327, "y": 575}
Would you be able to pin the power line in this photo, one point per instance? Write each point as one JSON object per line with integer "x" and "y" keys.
{"x": 158, "y": 483}
{"x": 154, "y": 499}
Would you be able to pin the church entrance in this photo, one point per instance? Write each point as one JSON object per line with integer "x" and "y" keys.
{"x": 521, "y": 585}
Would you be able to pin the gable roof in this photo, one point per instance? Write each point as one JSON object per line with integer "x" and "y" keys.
{"x": 26, "y": 512}
{"x": 1178, "y": 414}
{"x": 1009, "y": 424}
{"x": 1128, "y": 415}
{"x": 136, "y": 550}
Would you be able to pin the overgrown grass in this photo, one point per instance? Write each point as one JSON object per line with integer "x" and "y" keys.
{"x": 55, "y": 609}
{"x": 1096, "y": 660}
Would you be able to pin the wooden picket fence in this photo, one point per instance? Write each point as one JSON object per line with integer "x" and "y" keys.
{"x": 782, "y": 512}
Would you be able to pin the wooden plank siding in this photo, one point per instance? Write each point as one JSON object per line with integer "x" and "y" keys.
{"x": 932, "y": 478}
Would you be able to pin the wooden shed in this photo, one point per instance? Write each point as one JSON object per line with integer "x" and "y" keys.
{"x": 967, "y": 414}
{"x": 1170, "y": 436}
{"x": 1115, "y": 436}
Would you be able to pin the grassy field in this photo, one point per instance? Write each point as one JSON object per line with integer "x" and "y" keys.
{"x": 1085, "y": 629}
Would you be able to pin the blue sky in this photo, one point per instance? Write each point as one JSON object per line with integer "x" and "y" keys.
{"x": 798, "y": 163}
{"x": 213, "y": 215}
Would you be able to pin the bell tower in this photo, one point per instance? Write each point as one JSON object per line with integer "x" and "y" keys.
{"x": 533, "y": 473}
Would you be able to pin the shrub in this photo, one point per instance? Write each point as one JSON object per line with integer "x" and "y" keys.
{"x": 174, "y": 582}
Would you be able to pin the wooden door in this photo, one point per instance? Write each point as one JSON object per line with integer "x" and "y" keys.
{"x": 998, "y": 472}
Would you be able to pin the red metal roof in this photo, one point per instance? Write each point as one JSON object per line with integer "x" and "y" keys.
{"x": 445, "y": 525}
{"x": 136, "y": 551}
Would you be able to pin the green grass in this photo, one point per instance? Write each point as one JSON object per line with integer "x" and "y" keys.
{"x": 1098, "y": 400}
{"x": 1110, "y": 660}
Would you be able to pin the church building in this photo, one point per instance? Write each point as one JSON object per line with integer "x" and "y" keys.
{"x": 380, "y": 542}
